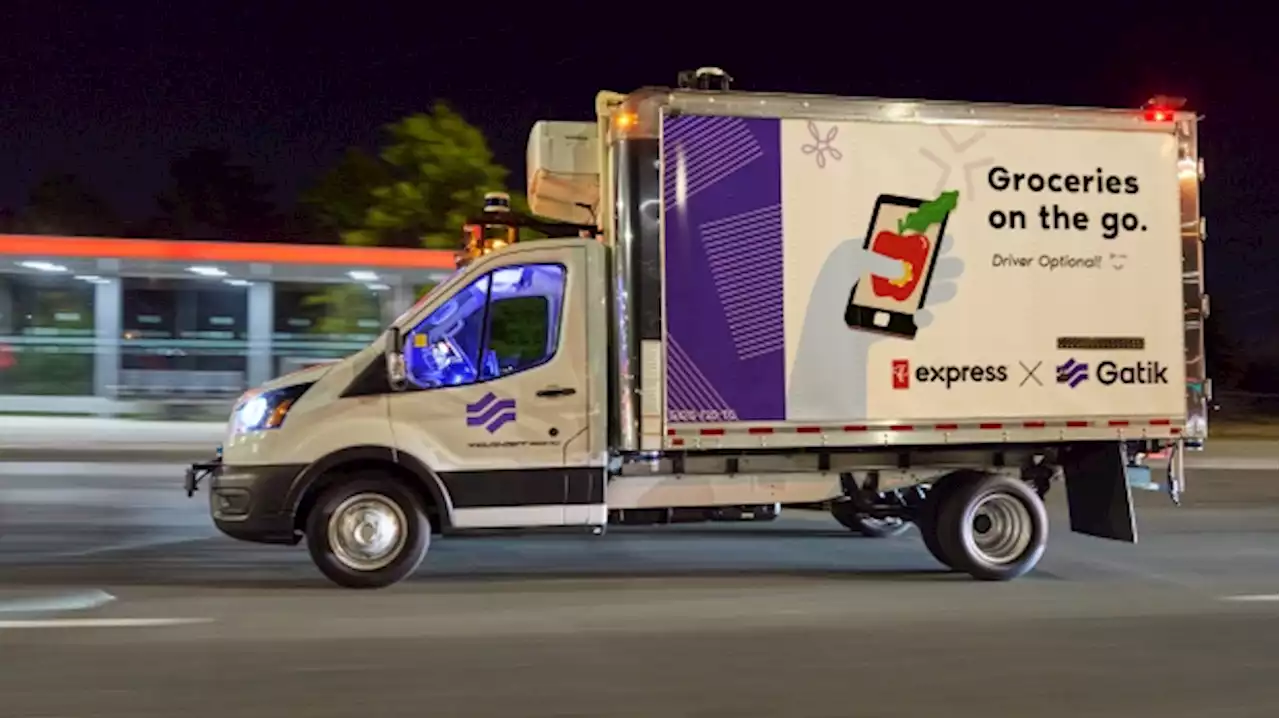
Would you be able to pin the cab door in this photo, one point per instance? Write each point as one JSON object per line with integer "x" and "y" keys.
{"x": 498, "y": 404}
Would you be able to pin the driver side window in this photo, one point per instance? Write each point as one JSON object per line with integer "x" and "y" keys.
{"x": 504, "y": 322}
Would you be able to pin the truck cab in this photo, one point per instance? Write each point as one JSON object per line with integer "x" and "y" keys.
{"x": 484, "y": 399}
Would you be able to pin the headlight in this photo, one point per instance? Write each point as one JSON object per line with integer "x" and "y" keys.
{"x": 266, "y": 410}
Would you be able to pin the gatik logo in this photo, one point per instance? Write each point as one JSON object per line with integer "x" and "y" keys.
{"x": 947, "y": 374}
{"x": 1139, "y": 372}
{"x": 491, "y": 412}
{"x": 1108, "y": 373}
{"x": 1072, "y": 373}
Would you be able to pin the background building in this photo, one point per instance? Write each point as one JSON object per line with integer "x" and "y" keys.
{"x": 127, "y": 326}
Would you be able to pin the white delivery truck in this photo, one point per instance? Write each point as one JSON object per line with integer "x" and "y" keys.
{"x": 922, "y": 311}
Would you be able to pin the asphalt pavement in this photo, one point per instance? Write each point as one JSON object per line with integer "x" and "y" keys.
{"x": 117, "y": 598}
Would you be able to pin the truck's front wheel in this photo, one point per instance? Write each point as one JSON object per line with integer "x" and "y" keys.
{"x": 369, "y": 532}
{"x": 994, "y": 527}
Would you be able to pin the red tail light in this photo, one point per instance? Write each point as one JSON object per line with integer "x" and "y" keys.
{"x": 1162, "y": 108}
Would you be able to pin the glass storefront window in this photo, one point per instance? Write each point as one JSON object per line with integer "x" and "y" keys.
{"x": 182, "y": 336}
{"x": 320, "y": 323}
{"x": 46, "y": 335}
{"x": 193, "y": 326}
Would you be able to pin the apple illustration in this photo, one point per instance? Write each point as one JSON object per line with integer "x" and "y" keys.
{"x": 912, "y": 249}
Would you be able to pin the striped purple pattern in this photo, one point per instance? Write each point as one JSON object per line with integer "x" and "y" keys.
{"x": 722, "y": 259}
{"x": 744, "y": 252}
{"x": 690, "y": 394}
{"x": 703, "y": 151}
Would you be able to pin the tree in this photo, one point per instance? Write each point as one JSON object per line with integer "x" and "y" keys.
{"x": 210, "y": 194}
{"x": 438, "y": 168}
{"x": 339, "y": 309}
{"x": 62, "y": 203}
{"x": 343, "y": 196}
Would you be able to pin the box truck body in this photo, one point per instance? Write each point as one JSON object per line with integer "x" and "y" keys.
{"x": 1064, "y": 256}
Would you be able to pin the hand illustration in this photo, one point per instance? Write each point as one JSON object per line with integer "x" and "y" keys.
{"x": 830, "y": 374}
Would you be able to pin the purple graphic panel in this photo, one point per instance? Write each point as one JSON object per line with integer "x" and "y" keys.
{"x": 722, "y": 180}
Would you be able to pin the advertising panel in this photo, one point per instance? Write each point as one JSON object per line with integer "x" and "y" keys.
{"x": 843, "y": 271}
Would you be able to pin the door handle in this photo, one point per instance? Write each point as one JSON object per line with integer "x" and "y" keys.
{"x": 557, "y": 391}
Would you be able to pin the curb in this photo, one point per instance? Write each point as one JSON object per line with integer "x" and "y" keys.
{"x": 105, "y": 455}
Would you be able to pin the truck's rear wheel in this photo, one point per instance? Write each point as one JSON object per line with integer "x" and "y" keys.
{"x": 927, "y": 516}
{"x": 992, "y": 527}
{"x": 369, "y": 532}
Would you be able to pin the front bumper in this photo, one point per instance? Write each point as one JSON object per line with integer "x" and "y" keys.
{"x": 249, "y": 503}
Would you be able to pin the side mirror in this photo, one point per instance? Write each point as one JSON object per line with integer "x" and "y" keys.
{"x": 397, "y": 374}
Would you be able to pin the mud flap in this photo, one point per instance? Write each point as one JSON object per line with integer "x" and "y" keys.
{"x": 1098, "y": 495}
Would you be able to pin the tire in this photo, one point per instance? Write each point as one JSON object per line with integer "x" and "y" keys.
{"x": 849, "y": 517}
{"x": 388, "y": 500}
{"x": 1015, "y": 534}
{"x": 927, "y": 516}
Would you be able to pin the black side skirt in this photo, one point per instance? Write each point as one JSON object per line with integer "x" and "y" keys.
{"x": 524, "y": 487}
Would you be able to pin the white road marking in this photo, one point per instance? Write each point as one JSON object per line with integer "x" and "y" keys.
{"x": 102, "y": 622}
{"x": 129, "y": 546}
{"x": 1253, "y": 597}
{"x": 79, "y": 601}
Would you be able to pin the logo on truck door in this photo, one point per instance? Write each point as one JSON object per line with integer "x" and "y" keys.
{"x": 491, "y": 412}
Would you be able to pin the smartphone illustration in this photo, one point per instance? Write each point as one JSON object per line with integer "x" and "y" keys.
{"x": 909, "y": 230}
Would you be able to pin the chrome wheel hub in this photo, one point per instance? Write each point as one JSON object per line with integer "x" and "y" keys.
{"x": 999, "y": 529}
{"x": 367, "y": 532}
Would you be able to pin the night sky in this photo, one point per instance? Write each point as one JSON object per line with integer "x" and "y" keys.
{"x": 113, "y": 91}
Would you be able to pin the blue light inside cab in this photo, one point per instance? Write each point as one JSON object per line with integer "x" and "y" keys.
{"x": 443, "y": 350}
{"x": 511, "y": 280}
